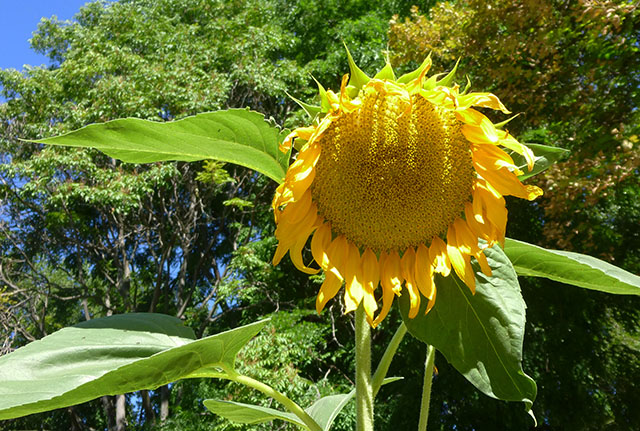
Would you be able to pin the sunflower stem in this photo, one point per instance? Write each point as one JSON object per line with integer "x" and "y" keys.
{"x": 426, "y": 388}
{"x": 364, "y": 388}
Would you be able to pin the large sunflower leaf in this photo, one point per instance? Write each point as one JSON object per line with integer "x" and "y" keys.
{"x": 236, "y": 136}
{"x": 481, "y": 335}
{"x": 108, "y": 356}
{"x": 570, "y": 268}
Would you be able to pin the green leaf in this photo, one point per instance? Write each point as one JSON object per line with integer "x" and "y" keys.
{"x": 480, "y": 335}
{"x": 570, "y": 268}
{"x": 325, "y": 410}
{"x": 324, "y": 99}
{"x": 108, "y": 356}
{"x": 408, "y": 77}
{"x": 430, "y": 83}
{"x": 358, "y": 78}
{"x": 236, "y": 136}
{"x": 448, "y": 80}
{"x": 249, "y": 413}
{"x": 545, "y": 156}
{"x": 311, "y": 110}
{"x": 386, "y": 73}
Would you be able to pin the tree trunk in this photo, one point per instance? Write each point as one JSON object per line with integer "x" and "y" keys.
{"x": 164, "y": 402}
{"x": 121, "y": 413}
{"x": 109, "y": 412}
{"x": 149, "y": 414}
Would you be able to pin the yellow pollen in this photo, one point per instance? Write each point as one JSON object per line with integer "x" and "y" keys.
{"x": 393, "y": 173}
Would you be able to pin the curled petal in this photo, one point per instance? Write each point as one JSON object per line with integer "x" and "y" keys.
{"x": 330, "y": 287}
{"x": 484, "y": 100}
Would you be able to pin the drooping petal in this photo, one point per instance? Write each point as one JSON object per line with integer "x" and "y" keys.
{"x": 320, "y": 244}
{"x": 507, "y": 183}
{"x": 330, "y": 287}
{"x": 460, "y": 262}
{"x": 439, "y": 257}
{"x": 386, "y": 281}
{"x": 288, "y": 235}
{"x": 301, "y": 132}
{"x": 354, "y": 291}
{"x": 424, "y": 272}
{"x": 484, "y": 265}
{"x": 370, "y": 278}
{"x": 511, "y": 143}
{"x": 408, "y": 263}
{"x": 391, "y": 277}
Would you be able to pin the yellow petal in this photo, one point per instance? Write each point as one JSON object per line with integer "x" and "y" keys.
{"x": 467, "y": 241}
{"x": 328, "y": 290}
{"x": 484, "y": 100}
{"x": 407, "y": 264}
{"x": 432, "y": 302}
{"x": 511, "y": 143}
{"x": 353, "y": 291}
{"x": 301, "y": 132}
{"x": 295, "y": 211}
{"x": 476, "y": 222}
{"x": 295, "y": 253}
{"x": 460, "y": 262}
{"x": 337, "y": 254}
{"x": 424, "y": 272}
{"x": 483, "y": 133}
{"x": 370, "y": 278}
{"x": 391, "y": 277}
{"x": 438, "y": 255}
{"x": 507, "y": 183}
{"x": 320, "y": 244}
{"x": 484, "y": 265}
{"x": 492, "y": 156}
{"x": 387, "y": 301}
{"x": 288, "y": 235}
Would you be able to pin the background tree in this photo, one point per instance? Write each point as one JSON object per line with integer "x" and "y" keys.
{"x": 570, "y": 69}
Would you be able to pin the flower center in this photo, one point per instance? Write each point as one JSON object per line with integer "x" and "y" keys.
{"x": 392, "y": 174}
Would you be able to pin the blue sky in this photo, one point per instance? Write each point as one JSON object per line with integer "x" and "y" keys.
{"x": 19, "y": 19}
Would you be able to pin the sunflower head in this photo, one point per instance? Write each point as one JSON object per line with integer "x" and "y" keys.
{"x": 396, "y": 180}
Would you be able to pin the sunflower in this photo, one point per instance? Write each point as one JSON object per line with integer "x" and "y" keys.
{"x": 397, "y": 180}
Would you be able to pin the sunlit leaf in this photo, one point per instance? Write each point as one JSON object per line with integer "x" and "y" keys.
{"x": 108, "y": 356}
{"x": 481, "y": 335}
{"x": 236, "y": 136}
{"x": 570, "y": 268}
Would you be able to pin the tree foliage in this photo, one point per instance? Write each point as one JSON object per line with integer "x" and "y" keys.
{"x": 570, "y": 69}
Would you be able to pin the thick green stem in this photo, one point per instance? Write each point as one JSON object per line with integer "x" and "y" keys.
{"x": 281, "y": 398}
{"x": 426, "y": 388}
{"x": 385, "y": 362}
{"x": 364, "y": 389}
